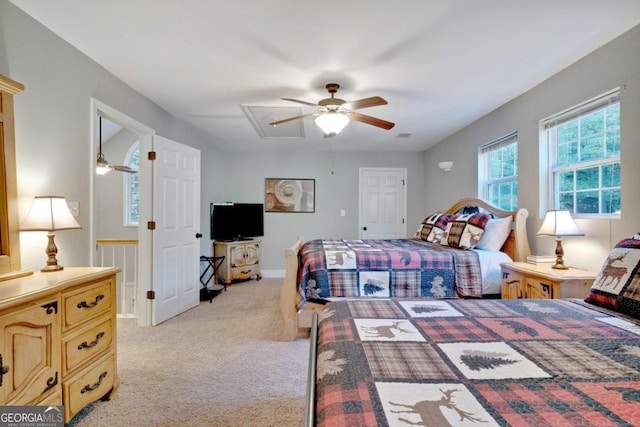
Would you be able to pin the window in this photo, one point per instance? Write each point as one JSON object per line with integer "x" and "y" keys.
{"x": 132, "y": 187}
{"x": 498, "y": 172}
{"x": 584, "y": 157}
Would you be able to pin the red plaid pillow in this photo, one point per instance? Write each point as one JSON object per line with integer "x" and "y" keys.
{"x": 617, "y": 284}
{"x": 464, "y": 231}
{"x": 433, "y": 226}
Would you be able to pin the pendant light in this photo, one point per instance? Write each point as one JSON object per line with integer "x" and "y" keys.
{"x": 102, "y": 166}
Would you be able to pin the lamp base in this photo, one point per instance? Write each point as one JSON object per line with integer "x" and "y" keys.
{"x": 559, "y": 265}
{"x": 52, "y": 251}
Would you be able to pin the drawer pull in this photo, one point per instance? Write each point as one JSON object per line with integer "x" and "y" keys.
{"x": 545, "y": 288}
{"x": 245, "y": 271}
{"x": 93, "y": 343}
{"x": 3, "y": 370}
{"x": 96, "y": 385}
{"x": 84, "y": 304}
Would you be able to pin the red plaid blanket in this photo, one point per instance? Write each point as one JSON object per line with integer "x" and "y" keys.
{"x": 476, "y": 362}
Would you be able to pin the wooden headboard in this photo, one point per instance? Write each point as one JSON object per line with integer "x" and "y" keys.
{"x": 517, "y": 244}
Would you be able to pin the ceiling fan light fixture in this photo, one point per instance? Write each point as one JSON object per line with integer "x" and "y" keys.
{"x": 102, "y": 166}
{"x": 332, "y": 122}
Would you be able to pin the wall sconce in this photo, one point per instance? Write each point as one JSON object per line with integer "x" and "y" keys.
{"x": 446, "y": 166}
{"x": 559, "y": 223}
{"x": 49, "y": 213}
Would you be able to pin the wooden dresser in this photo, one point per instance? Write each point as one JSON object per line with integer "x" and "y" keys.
{"x": 59, "y": 338}
{"x": 241, "y": 260}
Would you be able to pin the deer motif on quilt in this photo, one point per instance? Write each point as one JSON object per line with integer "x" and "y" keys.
{"x": 430, "y": 412}
{"x": 384, "y": 331}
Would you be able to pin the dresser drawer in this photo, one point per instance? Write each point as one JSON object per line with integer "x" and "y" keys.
{"x": 89, "y": 385}
{"x": 86, "y": 304}
{"x": 245, "y": 272}
{"x": 79, "y": 348}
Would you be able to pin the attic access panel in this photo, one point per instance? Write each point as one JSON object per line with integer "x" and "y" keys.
{"x": 261, "y": 116}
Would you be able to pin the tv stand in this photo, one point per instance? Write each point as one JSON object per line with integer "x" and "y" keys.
{"x": 241, "y": 260}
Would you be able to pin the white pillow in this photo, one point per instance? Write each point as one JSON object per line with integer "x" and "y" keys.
{"x": 495, "y": 234}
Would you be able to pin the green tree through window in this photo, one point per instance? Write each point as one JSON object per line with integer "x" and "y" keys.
{"x": 584, "y": 148}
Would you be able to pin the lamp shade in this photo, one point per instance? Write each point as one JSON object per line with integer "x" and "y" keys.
{"x": 332, "y": 122}
{"x": 559, "y": 223}
{"x": 49, "y": 213}
{"x": 102, "y": 166}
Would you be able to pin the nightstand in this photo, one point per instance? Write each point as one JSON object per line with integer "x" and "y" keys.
{"x": 525, "y": 280}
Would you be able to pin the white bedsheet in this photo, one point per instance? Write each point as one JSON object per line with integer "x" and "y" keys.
{"x": 490, "y": 269}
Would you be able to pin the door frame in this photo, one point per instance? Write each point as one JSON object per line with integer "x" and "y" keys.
{"x": 145, "y": 133}
{"x": 360, "y": 195}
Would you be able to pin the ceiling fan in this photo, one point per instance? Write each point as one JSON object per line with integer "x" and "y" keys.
{"x": 102, "y": 166}
{"x": 333, "y": 114}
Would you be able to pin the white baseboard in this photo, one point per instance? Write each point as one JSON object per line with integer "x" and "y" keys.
{"x": 273, "y": 273}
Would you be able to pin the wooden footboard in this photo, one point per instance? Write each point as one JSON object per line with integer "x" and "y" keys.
{"x": 310, "y": 395}
{"x": 289, "y": 292}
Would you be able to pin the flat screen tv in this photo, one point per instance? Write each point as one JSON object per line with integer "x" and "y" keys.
{"x": 236, "y": 221}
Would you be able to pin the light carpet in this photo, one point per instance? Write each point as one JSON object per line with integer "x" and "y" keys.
{"x": 218, "y": 364}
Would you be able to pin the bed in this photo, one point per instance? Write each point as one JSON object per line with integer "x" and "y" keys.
{"x": 474, "y": 362}
{"x": 463, "y": 362}
{"x": 435, "y": 262}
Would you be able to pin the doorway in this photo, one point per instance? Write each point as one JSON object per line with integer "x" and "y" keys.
{"x": 107, "y": 198}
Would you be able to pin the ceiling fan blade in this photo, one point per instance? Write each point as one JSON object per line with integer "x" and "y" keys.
{"x": 300, "y": 102}
{"x": 373, "y": 101}
{"x": 371, "y": 120}
{"x": 279, "y": 122}
{"x": 124, "y": 169}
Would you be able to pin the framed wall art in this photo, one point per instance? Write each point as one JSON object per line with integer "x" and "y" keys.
{"x": 290, "y": 195}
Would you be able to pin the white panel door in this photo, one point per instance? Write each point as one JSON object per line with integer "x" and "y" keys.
{"x": 176, "y": 211}
{"x": 383, "y": 203}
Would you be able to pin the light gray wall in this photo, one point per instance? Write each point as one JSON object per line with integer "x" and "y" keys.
{"x": 616, "y": 64}
{"x": 245, "y": 182}
{"x": 53, "y": 128}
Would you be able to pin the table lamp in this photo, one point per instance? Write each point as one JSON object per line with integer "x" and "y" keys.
{"x": 559, "y": 223}
{"x": 49, "y": 213}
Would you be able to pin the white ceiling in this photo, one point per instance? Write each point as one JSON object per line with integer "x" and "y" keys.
{"x": 440, "y": 64}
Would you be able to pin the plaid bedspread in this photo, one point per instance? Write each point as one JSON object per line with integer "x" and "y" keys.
{"x": 476, "y": 363}
{"x": 386, "y": 268}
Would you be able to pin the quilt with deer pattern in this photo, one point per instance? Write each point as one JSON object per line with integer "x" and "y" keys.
{"x": 401, "y": 362}
{"x": 386, "y": 268}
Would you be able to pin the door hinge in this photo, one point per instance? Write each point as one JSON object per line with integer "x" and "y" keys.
{"x": 151, "y": 294}
{"x": 403, "y": 220}
{"x": 151, "y": 225}
{"x": 151, "y": 155}
{"x": 402, "y": 181}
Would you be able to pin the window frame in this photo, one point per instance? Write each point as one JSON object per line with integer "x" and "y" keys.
{"x": 549, "y": 139}
{"x": 484, "y": 172}
{"x": 127, "y": 180}
{"x": 10, "y": 261}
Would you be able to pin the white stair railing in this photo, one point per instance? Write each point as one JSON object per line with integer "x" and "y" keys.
{"x": 122, "y": 253}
